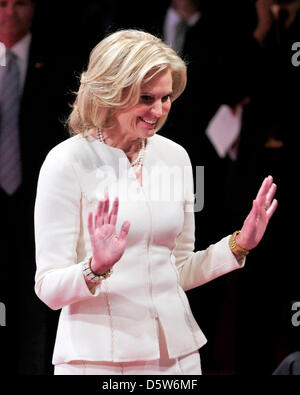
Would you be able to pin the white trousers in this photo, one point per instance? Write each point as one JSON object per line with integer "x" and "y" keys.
{"x": 185, "y": 365}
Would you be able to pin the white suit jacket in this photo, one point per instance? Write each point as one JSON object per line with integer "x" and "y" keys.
{"x": 116, "y": 320}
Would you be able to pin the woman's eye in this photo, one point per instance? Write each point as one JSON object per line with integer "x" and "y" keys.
{"x": 146, "y": 99}
{"x": 166, "y": 98}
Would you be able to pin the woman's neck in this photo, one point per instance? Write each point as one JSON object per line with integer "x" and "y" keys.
{"x": 127, "y": 144}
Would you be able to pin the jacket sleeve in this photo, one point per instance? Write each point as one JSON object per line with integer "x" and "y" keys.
{"x": 197, "y": 268}
{"x": 59, "y": 280}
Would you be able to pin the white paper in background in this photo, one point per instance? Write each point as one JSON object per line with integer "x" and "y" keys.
{"x": 224, "y": 128}
{"x": 2, "y": 54}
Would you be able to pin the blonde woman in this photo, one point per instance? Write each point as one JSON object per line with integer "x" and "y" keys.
{"x": 115, "y": 228}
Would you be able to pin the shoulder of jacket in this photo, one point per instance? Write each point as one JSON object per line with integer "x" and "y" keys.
{"x": 67, "y": 150}
{"x": 170, "y": 147}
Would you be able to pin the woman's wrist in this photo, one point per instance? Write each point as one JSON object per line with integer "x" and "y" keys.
{"x": 239, "y": 252}
{"x": 91, "y": 276}
{"x": 99, "y": 272}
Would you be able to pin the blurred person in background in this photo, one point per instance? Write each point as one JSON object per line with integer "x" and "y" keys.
{"x": 32, "y": 102}
{"x": 278, "y": 36}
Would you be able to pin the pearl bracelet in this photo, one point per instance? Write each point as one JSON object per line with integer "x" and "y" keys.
{"x": 90, "y": 275}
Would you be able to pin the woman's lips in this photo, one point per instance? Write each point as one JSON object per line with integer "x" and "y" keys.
{"x": 151, "y": 123}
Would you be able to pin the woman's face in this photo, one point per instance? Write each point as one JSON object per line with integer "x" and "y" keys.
{"x": 145, "y": 118}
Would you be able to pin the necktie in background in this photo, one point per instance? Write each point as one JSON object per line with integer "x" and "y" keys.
{"x": 10, "y": 158}
{"x": 180, "y": 32}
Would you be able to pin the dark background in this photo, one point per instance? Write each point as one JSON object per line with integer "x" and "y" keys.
{"x": 246, "y": 315}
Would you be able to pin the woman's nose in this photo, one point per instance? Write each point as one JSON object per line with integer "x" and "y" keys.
{"x": 156, "y": 109}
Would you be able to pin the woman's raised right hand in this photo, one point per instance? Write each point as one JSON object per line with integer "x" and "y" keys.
{"x": 107, "y": 247}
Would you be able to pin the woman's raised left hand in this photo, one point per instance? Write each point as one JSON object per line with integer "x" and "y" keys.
{"x": 257, "y": 220}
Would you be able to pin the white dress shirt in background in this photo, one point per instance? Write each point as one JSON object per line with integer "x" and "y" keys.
{"x": 171, "y": 21}
{"x": 21, "y": 50}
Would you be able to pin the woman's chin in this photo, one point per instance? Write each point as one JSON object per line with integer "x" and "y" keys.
{"x": 147, "y": 133}
{"x": 151, "y": 132}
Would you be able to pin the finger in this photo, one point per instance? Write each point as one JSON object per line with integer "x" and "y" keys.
{"x": 124, "y": 230}
{"x": 262, "y": 193}
{"x": 105, "y": 208}
{"x": 114, "y": 212}
{"x": 272, "y": 208}
{"x": 270, "y": 195}
{"x": 99, "y": 214}
{"x": 90, "y": 225}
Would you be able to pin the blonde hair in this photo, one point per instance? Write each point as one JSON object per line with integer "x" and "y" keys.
{"x": 117, "y": 67}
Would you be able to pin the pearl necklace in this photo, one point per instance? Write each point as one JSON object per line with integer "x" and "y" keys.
{"x": 139, "y": 161}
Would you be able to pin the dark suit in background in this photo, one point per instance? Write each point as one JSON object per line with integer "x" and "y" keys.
{"x": 28, "y": 336}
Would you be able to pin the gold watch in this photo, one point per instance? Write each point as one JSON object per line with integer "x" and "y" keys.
{"x": 235, "y": 248}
